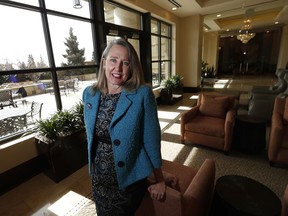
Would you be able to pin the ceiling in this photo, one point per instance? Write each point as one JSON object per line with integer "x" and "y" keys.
{"x": 264, "y": 13}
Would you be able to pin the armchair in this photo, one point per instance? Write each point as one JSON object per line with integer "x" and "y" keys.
{"x": 261, "y": 102}
{"x": 278, "y": 87}
{"x": 278, "y": 140}
{"x": 284, "y": 211}
{"x": 191, "y": 196}
{"x": 210, "y": 122}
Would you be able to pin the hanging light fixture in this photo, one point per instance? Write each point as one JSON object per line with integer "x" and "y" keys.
{"x": 245, "y": 36}
{"x": 77, "y": 4}
{"x": 244, "y": 33}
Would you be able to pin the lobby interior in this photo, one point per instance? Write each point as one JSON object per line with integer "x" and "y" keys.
{"x": 190, "y": 46}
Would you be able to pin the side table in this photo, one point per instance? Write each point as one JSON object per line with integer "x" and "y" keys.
{"x": 238, "y": 195}
{"x": 249, "y": 134}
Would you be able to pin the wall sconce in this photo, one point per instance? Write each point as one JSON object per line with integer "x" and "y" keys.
{"x": 77, "y": 4}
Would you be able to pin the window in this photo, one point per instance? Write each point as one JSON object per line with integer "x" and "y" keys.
{"x": 161, "y": 51}
{"x": 21, "y": 39}
{"x": 122, "y": 16}
{"x": 47, "y": 61}
{"x": 73, "y": 35}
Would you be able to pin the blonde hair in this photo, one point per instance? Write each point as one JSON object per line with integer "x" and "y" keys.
{"x": 136, "y": 77}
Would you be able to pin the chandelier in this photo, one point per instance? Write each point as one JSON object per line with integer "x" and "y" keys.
{"x": 244, "y": 35}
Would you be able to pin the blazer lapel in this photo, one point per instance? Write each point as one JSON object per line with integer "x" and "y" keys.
{"x": 123, "y": 105}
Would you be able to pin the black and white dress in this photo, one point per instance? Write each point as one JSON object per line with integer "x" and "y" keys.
{"x": 109, "y": 199}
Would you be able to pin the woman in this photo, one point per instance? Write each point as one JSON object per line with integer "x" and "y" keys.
{"x": 123, "y": 133}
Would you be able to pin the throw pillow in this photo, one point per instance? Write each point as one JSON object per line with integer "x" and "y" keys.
{"x": 214, "y": 106}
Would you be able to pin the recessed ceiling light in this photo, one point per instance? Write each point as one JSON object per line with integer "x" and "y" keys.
{"x": 227, "y": 29}
{"x": 276, "y": 22}
{"x": 174, "y": 8}
{"x": 218, "y": 15}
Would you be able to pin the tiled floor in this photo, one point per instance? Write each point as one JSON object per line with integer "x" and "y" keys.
{"x": 36, "y": 195}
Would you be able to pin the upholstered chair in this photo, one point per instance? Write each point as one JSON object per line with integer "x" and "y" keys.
{"x": 284, "y": 211}
{"x": 261, "y": 102}
{"x": 210, "y": 122}
{"x": 278, "y": 140}
{"x": 277, "y": 88}
{"x": 189, "y": 191}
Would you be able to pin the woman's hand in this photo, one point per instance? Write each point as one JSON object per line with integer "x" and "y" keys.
{"x": 158, "y": 190}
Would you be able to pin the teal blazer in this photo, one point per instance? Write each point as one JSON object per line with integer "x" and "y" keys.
{"x": 135, "y": 133}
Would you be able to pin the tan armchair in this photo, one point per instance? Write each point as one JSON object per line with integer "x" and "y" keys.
{"x": 284, "y": 211}
{"x": 210, "y": 122}
{"x": 278, "y": 140}
{"x": 192, "y": 195}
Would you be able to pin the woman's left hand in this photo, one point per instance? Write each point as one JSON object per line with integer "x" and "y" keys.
{"x": 158, "y": 190}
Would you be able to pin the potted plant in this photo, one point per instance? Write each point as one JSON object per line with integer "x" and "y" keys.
{"x": 166, "y": 94}
{"x": 61, "y": 124}
{"x": 172, "y": 85}
{"x": 207, "y": 71}
{"x": 61, "y": 140}
{"x": 177, "y": 87}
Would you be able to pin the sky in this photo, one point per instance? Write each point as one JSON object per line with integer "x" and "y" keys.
{"x": 22, "y": 35}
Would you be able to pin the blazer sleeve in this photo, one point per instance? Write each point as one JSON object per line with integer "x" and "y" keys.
{"x": 152, "y": 131}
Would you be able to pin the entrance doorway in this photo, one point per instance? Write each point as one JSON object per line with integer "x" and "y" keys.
{"x": 258, "y": 56}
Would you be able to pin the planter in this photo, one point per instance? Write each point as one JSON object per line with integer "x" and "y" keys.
{"x": 64, "y": 156}
{"x": 166, "y": 95}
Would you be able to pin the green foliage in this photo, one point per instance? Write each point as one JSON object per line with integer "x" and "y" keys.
{"x": 177, "y": 81}
{"x": 61, "y": 124}
{"x": 206, "y": 70}
{"x": 174, "y": 81}
{"x": 167, "y": 83}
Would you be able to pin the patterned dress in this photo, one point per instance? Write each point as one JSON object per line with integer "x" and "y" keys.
{"x": 109, "y": 199}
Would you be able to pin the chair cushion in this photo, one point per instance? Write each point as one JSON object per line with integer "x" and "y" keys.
{"x": 214, "y": 106}
{"x": 206, "y": 125}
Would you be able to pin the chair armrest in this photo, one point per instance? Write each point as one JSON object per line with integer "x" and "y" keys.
{"x": 276, "y": 134}
{"x": 261, "y": 108}
{"x": 198, "y": 196}
{"x": 229, "y": 129}
{"x": 186, "y": 116}
{"x": 170, "y": 206}
{"x": 285, "y": 202}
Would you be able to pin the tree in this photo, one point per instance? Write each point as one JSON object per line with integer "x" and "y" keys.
{"x": 31, "y": 63}
{"x": 41, "y": 63}
{"x": 74, "y": 55}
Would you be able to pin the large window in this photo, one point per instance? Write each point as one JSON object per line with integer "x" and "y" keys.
{"x": 47, "y": 57}
{"x": 161, "y": 51}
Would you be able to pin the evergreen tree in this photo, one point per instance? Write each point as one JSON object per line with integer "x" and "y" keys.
{"x": 31, "y": 63}
{"x": 74, "y": 56}
{"x": 41, "y": 63}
